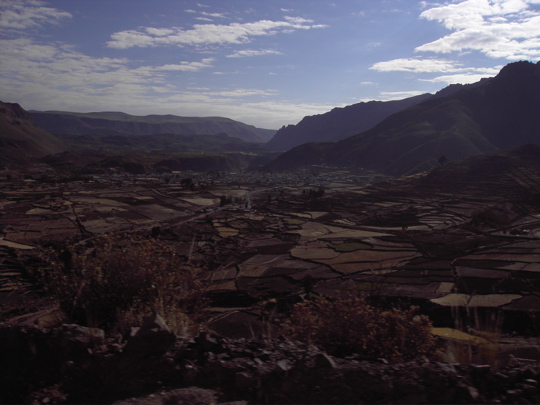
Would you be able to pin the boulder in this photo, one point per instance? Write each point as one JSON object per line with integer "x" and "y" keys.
{"x": 153, "y": 338}
{"x": 76, "y": 340}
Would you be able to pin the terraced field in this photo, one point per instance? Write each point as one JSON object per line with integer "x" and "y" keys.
{"x": 460, "y": 245}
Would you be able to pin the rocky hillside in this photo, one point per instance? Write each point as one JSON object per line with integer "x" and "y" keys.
{"x": 20, "y": 138}
{"x": 496, "y": 114}
{"x": 118, "y": 123}
{"x": 78, "y": 365}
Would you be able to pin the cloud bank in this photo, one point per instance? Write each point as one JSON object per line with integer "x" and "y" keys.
{"x": 508, "y": 29}
{"x": 249, "y": 53}
{"x": 498, "y": 29}
{"x": 207, "y": 34}
{"x": 18, "y": 15}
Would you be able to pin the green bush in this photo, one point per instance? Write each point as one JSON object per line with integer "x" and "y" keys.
{"x": 350, "y": 326}
{"x": 117, "y": 281}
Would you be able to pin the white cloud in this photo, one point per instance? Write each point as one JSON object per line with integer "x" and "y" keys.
{"x": 508, "y": 29}
{"x": 243, "y": 93}
{"x": 215, "y": 97}
{"x": 215, "y": 15}
{"x": 298, "y": 20}
{"x": 189, "y": 66}
{"x": 56, "y": 77}
{"x": 159, "y": 32}
{"x": 416, "y": 65}
{"x": 398, "y": 95}
{"x": 207, "y": 34}
{"x": 453, "y": 71}
{"x": 32, "y": 70}
{"x": 22, "y": 15}
{"x": 248, "y": 53}
{"x": 463, "y": 78}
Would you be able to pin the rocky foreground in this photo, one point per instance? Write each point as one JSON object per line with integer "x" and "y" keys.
{"x": 75, "y": 364}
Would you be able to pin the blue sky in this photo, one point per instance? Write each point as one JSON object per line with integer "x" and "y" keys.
{"x": 263, "y": 62}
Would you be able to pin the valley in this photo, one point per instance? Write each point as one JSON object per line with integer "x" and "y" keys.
{"x": 200, "y": 229}
{"x": 269, "y": 202}
{"x": 463, "y": 247}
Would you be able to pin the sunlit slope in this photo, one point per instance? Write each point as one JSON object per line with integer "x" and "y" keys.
{"x": 20, "y": 138}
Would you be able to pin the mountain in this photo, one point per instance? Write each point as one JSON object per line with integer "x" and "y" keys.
{"x": 339, "y": 123}
{"x": 118, "y": 123}
{"x": 20, "y": 139}
{"x": 513, "y": 174}
{"x": 495, "y": 114}
{"x": 159, "y": 143}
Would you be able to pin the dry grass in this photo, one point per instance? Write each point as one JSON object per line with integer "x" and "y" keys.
{"x": 118, "y": 280}
{"x": 351, "y": 326}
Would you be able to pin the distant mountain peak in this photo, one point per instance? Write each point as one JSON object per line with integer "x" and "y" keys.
{"x": 516, "y": 69}
{"x": 13, "y": 112}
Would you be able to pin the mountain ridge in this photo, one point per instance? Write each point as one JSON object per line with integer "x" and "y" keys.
{"x": 119, "y": 123}
{"x": 342, "y": 122}
{"x": 491, "y": 115}
{"x": 338, "y": 123}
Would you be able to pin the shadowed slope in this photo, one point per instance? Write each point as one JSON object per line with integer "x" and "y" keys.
{"x": 118, "y": 123}
{"x": 496, "y": 114}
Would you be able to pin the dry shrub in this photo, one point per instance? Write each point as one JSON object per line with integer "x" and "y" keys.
{"x": 120, "y": 280}
{"x": 350, "y": 326}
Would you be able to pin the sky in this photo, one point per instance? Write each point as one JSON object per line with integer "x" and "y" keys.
{"x": 267, "y": 63}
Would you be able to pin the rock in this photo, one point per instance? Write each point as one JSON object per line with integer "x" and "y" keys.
{"x": 244, "y": 381}
{"x": 466, "y": 394}
{"x": 46, "y": 318}
{"x": 474, "y": 394}
{"x": 282, "y": 366}
{"x": 270, "y": 371}
{"x": 240, "y": 324}
{"x": 529, "y": 389}
{"x": 322, "y": 360}
{"x": 185, "y": 353}
{"x": 77, "y": 339}
{"x": 153, "y": 338}
{"x": 208, "y": 342}
{"x": 81, "y": 334}
{"x": 183, "y": 396}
